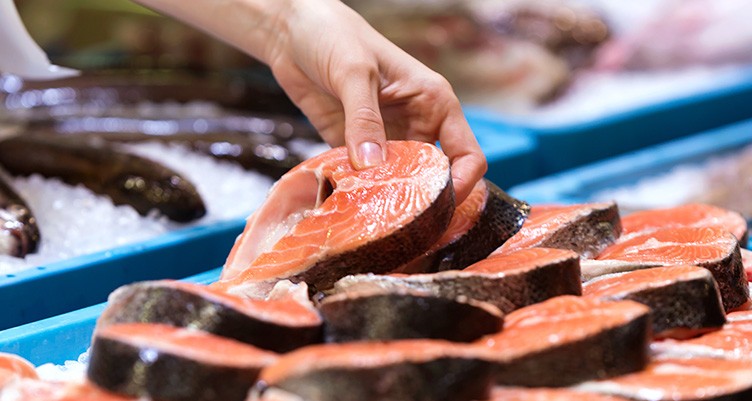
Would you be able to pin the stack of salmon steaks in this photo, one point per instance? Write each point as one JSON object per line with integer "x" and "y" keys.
{"x": 373, "y": 285}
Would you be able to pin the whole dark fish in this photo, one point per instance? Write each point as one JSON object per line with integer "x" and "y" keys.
{"x": 252, "y": 152}
{"x": 126, "y": 178}
{"x": 19, "y": 233}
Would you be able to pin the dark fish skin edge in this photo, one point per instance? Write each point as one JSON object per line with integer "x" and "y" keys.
{"x": 523, "y": 289}
{"x": 145, "y": 303}
{"x": 691, "y": 304}
{"x": 233, "y": 146}
{"x": 443, "y": 379}
{"x": 125, "y": 178}
{"x": 386, "y": 253}
{"x": 118, "y": 367}
{"x": 502, "y": 217}
{"x": 507, "y": 292}
{"x": 589, "y": 235}
{"x": 611, "y": 352}
{"x": 731, "y": 279}
{"x": 405, "y": 314}
{"x": 18, "y": 220}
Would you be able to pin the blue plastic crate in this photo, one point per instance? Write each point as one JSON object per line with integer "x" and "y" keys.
{"x": 56, "y": 288}
{"x": 64, "y": 337}
{"x": 564, "y": 146}
{"x": 580, "y": 184}
{"x": 510, "y": 152}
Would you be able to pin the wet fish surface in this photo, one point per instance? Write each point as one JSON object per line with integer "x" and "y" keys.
{"x": 19, "y": 226}
{"x": 324, "y": 220}
{"x": 125, "y": 178}
{"x": 684, "y": 300}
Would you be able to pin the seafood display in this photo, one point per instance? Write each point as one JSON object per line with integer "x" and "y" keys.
{"x": 19, "y": 226}
{"x": 720, "y": 180}
{"x": 91, "y": 130}
{"x": 296, "y": 317}
{"x": 125, "y": 178}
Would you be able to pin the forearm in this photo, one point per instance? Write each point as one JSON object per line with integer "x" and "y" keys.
{"x": 250, "y": 25}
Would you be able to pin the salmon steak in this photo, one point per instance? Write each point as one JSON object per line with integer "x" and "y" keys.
{"x": 403, "y": 313}
{"x": 569, "y": 339}
{"x": 324, "y": 220}
{"x": 404, "y": 370}
{"x": 13, "y": 366}
{"x": 508, "y": 281}
{"x": 170, "y": 363}
{"x": 684, "y": 300}
{"x": 480, "y": 224}
{"x": 36, "y": 390}
{"x": 710, "y": 247}
{"x": 688, "y": 215}
{"x": 279, "y": 324}
{"x": 546, "y": 394}
{"x": 682, "y": 379}
{"x": 586, "y": 229}
{"x": 733, "y": 341}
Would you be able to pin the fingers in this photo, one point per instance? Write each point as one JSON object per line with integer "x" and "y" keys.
{"x": 465, "y": 156}
{"x": 365, "y": 136}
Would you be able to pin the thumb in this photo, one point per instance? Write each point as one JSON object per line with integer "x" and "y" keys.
{"x": 365, "y": 136}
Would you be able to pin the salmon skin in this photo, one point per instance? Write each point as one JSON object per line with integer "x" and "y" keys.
{"x": 508, "y": 281}
{"x": 682, "y": 379}
{"x": 173, "y": 364}
{"x": 324, "y": 220}
{"x": 688, "y": 215}
{"x": 281, "y": 324}
{"x": 569, "y": 339}
{"x": 710, "y": 247}
{"x": 480, "y": 224}
{"x": 586, "y": 229}
{"x": 684, "y": 300}
{"x": 18, "y": 223}
{"x": 405, "y": 370}
{"x": 403, "y": 313}
{"x": 125, "y": 178}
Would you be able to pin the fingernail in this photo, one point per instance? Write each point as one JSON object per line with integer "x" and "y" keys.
{"x": 370, "y": 154}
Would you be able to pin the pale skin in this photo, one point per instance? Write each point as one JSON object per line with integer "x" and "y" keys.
{"x": 356, "y": 88}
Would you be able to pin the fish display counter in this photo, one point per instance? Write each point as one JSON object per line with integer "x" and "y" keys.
{"x": 97, "y": 232}
{"x": 566, "y": 144}
{"x": 710, "y": 167}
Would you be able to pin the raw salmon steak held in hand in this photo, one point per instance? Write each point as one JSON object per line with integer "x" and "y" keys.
{"x": 324, "y": 220}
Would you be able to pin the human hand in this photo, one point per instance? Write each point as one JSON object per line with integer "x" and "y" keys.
{"x": 358, "y": 89}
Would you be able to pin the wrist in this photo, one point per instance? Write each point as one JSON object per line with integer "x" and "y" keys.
{"x": 274, "y": 27}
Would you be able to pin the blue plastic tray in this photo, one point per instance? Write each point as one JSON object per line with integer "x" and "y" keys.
{"x": 56, "y": 288}
{"x": 564, "y": 146}
{"x": 510, "y": 152}
{"x": 64, "y": 337}
{"x": 579, "y": 184}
